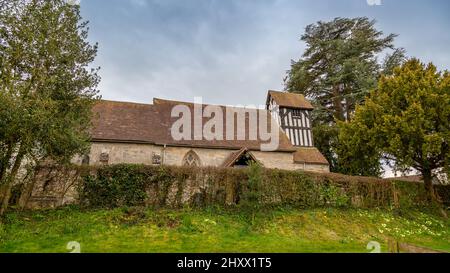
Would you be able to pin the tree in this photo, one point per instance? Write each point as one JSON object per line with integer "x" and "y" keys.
{"x": 406, "y": 120}
{"x": 46, "y": 87}
{"x": 337, "y": 70}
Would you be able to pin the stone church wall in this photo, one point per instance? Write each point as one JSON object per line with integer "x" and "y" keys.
{"x": 119, "y": 153}
{"x": 176, "y": 187}
{"x": 208, "y": 157}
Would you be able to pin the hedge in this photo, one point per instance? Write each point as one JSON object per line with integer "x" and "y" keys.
{"x": 137, "y": 185}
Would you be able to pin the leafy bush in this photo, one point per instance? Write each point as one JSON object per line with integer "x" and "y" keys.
{"x": 249, "y": 189}
{"x": 444, "y": 193}
{"x": 121, "y": 185}
{"x": 334, "y": 196}
{"x": 251, "y": 195}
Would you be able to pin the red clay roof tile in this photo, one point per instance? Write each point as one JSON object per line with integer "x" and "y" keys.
{"x": 146, "y": 123}
{"x": 290, "y": 100}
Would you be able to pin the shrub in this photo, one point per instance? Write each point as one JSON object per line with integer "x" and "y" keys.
{"x": 249, "y": 189}
{"x": 121, "y": 185}
{"x": 250, "y": 200}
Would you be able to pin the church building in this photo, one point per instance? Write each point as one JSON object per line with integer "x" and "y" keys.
{"x": 136, "y": 133}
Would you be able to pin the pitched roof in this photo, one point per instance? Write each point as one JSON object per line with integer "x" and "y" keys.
{"x": 124, "y": 121}
{"x": 290, "y": 100}
{"x": 146, "y": 123}
{"x": 309, "y": 155}
{"x": 231, "y": 160}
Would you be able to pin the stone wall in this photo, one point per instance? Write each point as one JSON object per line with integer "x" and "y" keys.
{"x": 54, "y": 187}
{"x": 284, "y": 161}
{"x": 209, "y": 157}
{"x": 120, "y": 153}
{"x": 175, "y": 187}
{"x": 123, "y": 153}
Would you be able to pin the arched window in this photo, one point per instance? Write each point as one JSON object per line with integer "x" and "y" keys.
{"x": 85, "y": 160}
{"x": 191, "y": 159}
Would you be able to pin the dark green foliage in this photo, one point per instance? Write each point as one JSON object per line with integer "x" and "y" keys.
{"x": 251, "y": 194}
{"x": 120, "y": 186}
{"x": 337, "y": 70}
{"x": 406, "y": 120}
{"x": 47, "y": 86}
{"x": 250, "y": 189}
{"x": 444, "y": 194}
{"x": 250, "y": 200}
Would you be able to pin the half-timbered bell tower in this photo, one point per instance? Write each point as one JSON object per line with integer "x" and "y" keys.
{"x": 293, "y": 114}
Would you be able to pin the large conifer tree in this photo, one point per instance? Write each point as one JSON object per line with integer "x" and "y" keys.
{"x": 337, "y": 70}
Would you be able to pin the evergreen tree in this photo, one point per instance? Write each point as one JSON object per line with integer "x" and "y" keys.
{"x": 405, "y": 120}
{"x": 337, "y": 70}
{"x": 46, "y": 87}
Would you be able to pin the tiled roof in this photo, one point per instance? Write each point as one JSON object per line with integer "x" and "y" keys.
{"x": 124, "y": 121}
{"x": 146, "y": 123}
{"x": 309, "y": 155}
{"x": 290, "y": 100}
{"x": 231, "y": 160}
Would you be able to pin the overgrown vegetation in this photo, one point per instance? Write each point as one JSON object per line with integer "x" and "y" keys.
{"x": 115, "y": 187}
{"x": 219, "y": 230}
{"x": 46, "y": 88}
{"x": 338, "y": 68}
{"x": 251, "y": 201}
{"x": 136, "y": 208}
{"x": 405, "y": 120}
{"x": 130, "y": 185}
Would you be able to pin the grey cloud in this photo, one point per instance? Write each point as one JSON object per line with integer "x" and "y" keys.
{"x": 230, "y": 52}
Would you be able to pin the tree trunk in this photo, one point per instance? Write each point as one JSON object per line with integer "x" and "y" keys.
{"x": 3, "y": 172}
{"x": 27, "y": 191}
{"x": 4, "y": 163}
{"x": 429, "y": 189}
{"x": 3, "y": 188}
{"x": 348, "y": 109}
{"x": 431, "y": 193}
{"x": 337, "y": 103}
{"x": 10, "y": 180}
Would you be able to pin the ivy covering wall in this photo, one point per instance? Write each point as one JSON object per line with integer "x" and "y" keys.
{"x": 136, "y": 185}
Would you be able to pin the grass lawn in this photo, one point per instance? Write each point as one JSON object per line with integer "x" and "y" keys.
{"x": 215, "y": 230}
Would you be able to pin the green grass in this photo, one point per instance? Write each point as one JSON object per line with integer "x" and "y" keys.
{"x": 213, "y": 230}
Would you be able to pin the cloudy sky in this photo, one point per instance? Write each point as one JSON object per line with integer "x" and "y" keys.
{"x": 233, "y": 51}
